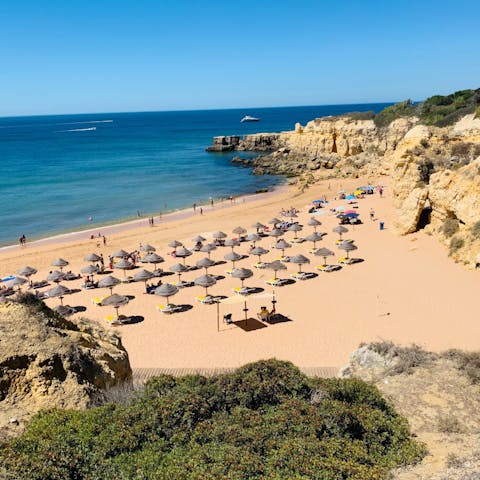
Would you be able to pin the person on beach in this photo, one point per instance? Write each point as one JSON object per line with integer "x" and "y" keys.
{"x": 194, "y": 207}
{"x": 372, "y": 214}
{"x": 104, "y": 240}
{"x": 201, "y": 211}
{"x": 22, "y": 240}
{"x": 211, "y": 202}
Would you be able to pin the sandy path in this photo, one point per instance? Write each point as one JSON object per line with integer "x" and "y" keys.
{"x": 406, "y": 290}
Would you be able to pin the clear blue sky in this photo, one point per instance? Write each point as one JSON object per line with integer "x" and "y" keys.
{"x": 73, "y": 56}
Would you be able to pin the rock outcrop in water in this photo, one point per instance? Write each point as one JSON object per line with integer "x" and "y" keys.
{"x": 47, "y": 361}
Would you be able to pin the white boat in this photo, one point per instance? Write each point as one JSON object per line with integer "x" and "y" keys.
{"x": 248, "y": 118}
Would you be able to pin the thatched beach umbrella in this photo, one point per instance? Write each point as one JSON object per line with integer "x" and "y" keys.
{"x": 313, "y": 222}
{"x": 239, "y": 231}
{"x": 208, "y": 248}
{"x": 59, "y": 291}
{"x": 198, "y": 239}
{"x": 123, "y": 265}
{"x": 276, "y": 232}
{"x": 242, "y": 274}
{"x": 175, "y": 244}
{"x": 179, "y": 268}
{"x": 115, "y": 301}
{"x": 274, "y": 221}
{"x": 259, "y": 251}
{"x": 295, "y": 228}
{"x": 314, "y": 237}
{"x": 17, "y": 282}
{"x": 231, "y": 242}
{"x": 253, "y": 237}
{"x": 348, "y": 247}
{"x": 27, "y": 271}
{"x": 147, "y": 248}
{"x": 143, "y": 276}
{"x": 120, "y": 254}
{"x": 92, "y": 257}
{"x": 340, "y": 230}
{"x": 89, "y": 269}
{"x": 292, "y": 214}
{"x": 276, "y": 266}
{"x": 59, "y": 262}
{"x": 282, "y": 245}
{"x": 55, "y": 276}
{"x": 233, "y": 257}
{"x": 64, "y": 310}
{"x": 219, "y": 235}
{"x": 205, "y": 263}
{"x": 166, "y": 290}
{"x": 299, "y": 260}
{"x": 182, "y": 252}
{"x": 324, "y": 252}
{"x": 109, "y": 282}
{"x": 154, "y": 259}
{"x": 258, "y": 226}
{"x": 205, "y": 281}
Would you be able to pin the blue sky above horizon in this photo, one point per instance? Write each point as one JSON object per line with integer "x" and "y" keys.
{"x": 117, "y": 56}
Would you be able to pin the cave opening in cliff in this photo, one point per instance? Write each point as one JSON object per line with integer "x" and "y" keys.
{"x": 424, "y": 219}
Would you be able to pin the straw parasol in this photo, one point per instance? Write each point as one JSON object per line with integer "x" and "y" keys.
{"x": 274, "y": 221}
{"x": 205, "y": 263}
{"x": 253, "y": 237}
{"x": 258, "y": 226}
{"x": 120, "y": 254}
{"x": 92, "y": 257}
{"x": 64, "y": 310}
{"x": 59, "y": 262}
{"x": 115, "y": 301}
{"x": 313, "y": 222}
{"x": 239, "y": 231}
{"x": 208, "y": 248}
{"x": 109, "y": 282}
{"x": 276, "y": 266}
{"x": 55, "y": 276}
{"x": 123, "y": 265}
{"x": 340, "y": 230}
{"x": 276, "y": 232}
{"x": 179, "y": 268}
{"x": 295, "y": 228}
{"x": 59, "y": 291}
{"x": 299, "y": 260}
{"x": 348, "y": 247}
{"x": 147, "y": 248}
{"x": 242, "y": 274}
{"x": 231, "y": 242}
{"x": 198, "y": 239}
{"x": 314, "y": 237}
{"x": 17, "y": 282}
{"x": 143, "y": 276}
{"x": 89, "y": 269}
{"x": 175, "y": 244}
{"x": 182, "y": 252}
{"x": 154, "y": 259}
{"x": 282, "y": 245}
{"x": 166, "y": 290}
{"x": 27, "y": 271}
{"x": 233, "y": 257}
{"x": 259, "y": 251}
{"x": 324, "y": 252}
{"x": 219, "y": 235}
{"x": 205, "y": 281}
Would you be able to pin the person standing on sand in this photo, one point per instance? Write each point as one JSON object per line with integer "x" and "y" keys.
{"x": 104, "y": 240}
{"x": 372, "y": 214}
{"x": 211, "y": 202}
{"x": 201, "y": 211}
{"x": 194, "y": 207}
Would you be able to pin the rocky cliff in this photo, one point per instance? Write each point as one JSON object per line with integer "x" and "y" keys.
{"x": 433, "y": 170}
{"x": 47, "y": 361}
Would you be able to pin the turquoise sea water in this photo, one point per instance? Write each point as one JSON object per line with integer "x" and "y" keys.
{"x": 57, "y": 171}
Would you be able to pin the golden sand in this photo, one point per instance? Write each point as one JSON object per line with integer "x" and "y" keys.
{"x": 406, "y": 290}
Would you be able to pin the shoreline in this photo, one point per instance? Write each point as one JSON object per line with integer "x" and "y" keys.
{"x": 123, "y": 226}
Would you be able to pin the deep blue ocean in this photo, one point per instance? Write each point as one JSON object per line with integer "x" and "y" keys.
{"x": 59, "y": 170}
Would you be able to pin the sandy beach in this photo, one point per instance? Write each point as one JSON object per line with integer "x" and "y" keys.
{"x": 406, "y": 289}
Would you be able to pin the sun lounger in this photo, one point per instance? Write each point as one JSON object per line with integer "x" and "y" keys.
{"x": 297, "y": 240}
{"x": 243, "y": 290}
{"x": 338, "y": 241}
{"x": 260, "y": 265}
{"x": 328, "y": 268}
{"x": 279, "y": 282}
{"x": 97, "y": 300}
{"x": 39, "y": 284}
{"x": 346, "y": 261}
{"x": 302, "y": 275}
{"x": 229, "y": 272}
{"x": 169, "y": 308}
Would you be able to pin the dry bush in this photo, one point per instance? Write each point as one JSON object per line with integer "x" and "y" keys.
{"x": 456, "y": 243}
{"x": 450, "y": 227}
{"x": 449, "y": 424}
{"x": 466, "y": 362}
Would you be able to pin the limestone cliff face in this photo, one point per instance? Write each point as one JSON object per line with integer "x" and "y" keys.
{"x": 47, "y": 361}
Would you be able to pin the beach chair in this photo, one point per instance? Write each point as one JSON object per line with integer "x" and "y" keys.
{"x": 243, "y": 290}
{"x": 328, "y": 268}
{"x": 279, "y": 282}
{"x": 97, "y": 300}
{"x": 205, "y": 299}
{"x": 346, "y": 261}
{"x": 297, "y": 240}
{"x": 260, "y": 265}
{"x": 302, "y": 275}
{"x": 113, "y": 320}
{"x": 169, "y": 308}
{"x": 229, "y": 271}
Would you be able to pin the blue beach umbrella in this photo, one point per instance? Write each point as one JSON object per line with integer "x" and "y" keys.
{"x": 350, "y": 197}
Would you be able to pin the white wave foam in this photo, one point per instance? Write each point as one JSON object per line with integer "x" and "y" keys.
{"x": 89, "y": 129}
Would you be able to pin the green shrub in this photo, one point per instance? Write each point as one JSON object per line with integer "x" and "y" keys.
{"x": 257, "y": 423}
{"x": 475, "y": 229}
{"x": 456, "y": 243}
{"x": 389, "y": 114}
{"x": 450, "y": 227}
